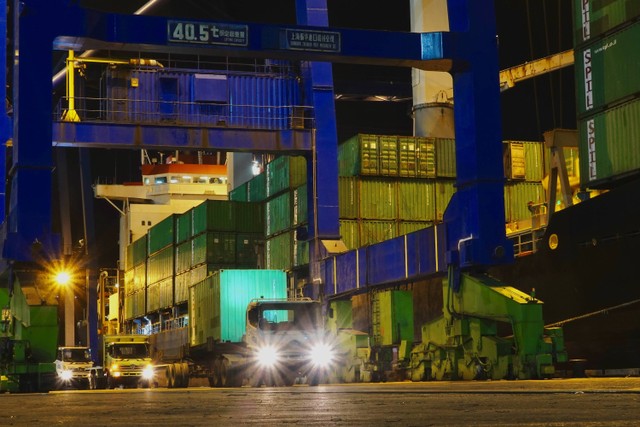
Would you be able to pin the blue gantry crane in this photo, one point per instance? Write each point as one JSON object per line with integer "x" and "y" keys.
{"x": 471, "y": 239}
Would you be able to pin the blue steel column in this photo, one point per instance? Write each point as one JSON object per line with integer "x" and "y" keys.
{"x": 5, "y": 123}
{"x": 475, "y": 217}
{"x": 322, "y": 163}
{"x": 29, "y": 216}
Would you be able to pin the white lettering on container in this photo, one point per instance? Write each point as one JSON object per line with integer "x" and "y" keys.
{"x": 588, "y": 79}
{"x": 586, "y": 20}
{"x": 591, "y": 148}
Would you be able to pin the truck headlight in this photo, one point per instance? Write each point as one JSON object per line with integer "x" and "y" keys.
{"x": 267, "y": 356}
{"x": 321, "y": 355}
{"x": 147, "y": 373}
{"x": 66, "y": 375}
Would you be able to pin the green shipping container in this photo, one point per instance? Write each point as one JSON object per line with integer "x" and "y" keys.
{"x": 184, "y": 256}
{"x": 240, "y": 193}
{"x": 160, "y": 265}
{"x": 445, "y": 157}
{"x": 377, "y": 198}
{"x": 407, "y": 157}
{"x": 610, "y": 143}
{"x": 359, "y": 155}
{"x": 350, "y": 233}
{"x": 388, "y": 155}
{"x": 605, "y": 72}
{"x": 214, "y": 247}
{"x": 278, "y": 214}
{"x": 137, "y": 252}
{"x": 249, "y": 217}
{"x": 140, "y": 277}
{"x": 592, "y": 18}
{"x": 161, "y": 234}
{"x": 348, "y": 202}
{"x": 425, "y": 157}
{"x": 376, "y": 231}
{"x": 300, "y": 253}
{"x": 248, "y": 248}
{"x": 160, "y": 295}
{"x": 217, "y": 305}
{"x": 396, "y": 318}
{"x": 183, "y": 226}
{"x": 285, "y": 173}
{"x": 443, "y": 193}
{"x": 213, "y": 215}
{"x": 181, "y": 287}
{"x": 300, "y": 210}
{"x": 42, "y": 333}
{"x": 279, "y": 251}
{"x": 524, "y": 160}
{"x": 128, "y": 282}
{"x": 406, "y": 227}
{"x": 517, "y": 198}
{"x": 134, "y": 305}
{"x": 416, "y": 200}
{"x": 257, "y": 188}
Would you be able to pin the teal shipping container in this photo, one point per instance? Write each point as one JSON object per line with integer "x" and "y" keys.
{"x": 388, "y": 155}
{"x": 183, "y": 227}
{"x": 213, "y": 215}
{"x": 592, "y": 18}
{"x": 161, "y": 234}
{"x": 240, "y": 193}
{"x": 285, "y": 173}
{"x": 359, "y": 155}
{"x": 610, "y": 143}
{"x": 395, "y": 310}
{"x": 606, "y": 72}
{"x": 217, "y": 305}
{"x": 257, "y": 188}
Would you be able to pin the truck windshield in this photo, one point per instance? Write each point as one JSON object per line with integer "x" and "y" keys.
{"x": 76, "y": 355}
{"x": 130, "y": 350}
{"x": 286, "y": 316}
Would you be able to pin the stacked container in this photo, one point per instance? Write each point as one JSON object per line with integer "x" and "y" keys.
{"x": 607, "y": 86}
{"x": 135, "y": 279}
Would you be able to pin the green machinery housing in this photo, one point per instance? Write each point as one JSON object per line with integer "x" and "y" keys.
{"x": 28, "y": 342}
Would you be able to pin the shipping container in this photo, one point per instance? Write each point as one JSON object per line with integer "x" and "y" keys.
{"x": 249, "y": 249}
{"x": 300, "y": 210}
{"x": 214, "y": 247}
{"x": 257, "y": 188}
{"x": 393, "y": 311}
{"x": 348, "y": 197}
{"x": 416, "y": 200}
{"x": 445, "y": 157}
{"x": 350, "y": 233}
{"x": 160, "y": 265}
{"x": 407, "y": 157}
{"x": 610, "y": 141}
{"x": 406, "y": 227}
{"x": 181, "y": 287}
{"x": 134, "y": 305}
{"x": 377, "y": 198}
{"x": 213, "y": 215}
{"x": 160, "y": 295}
{"x": 278, "y": 214}
{"x": 388, "y": 155}
{"x": 300, "y": 253}
{"x": 161, "y": 234}
{"x": 359, "y": 155}
{"x": 183, "y": 226}
{"x": 184, "y": 256}
{"x": 375, "y": 231}
{"x": 525, "y": 160}
{"x": 426, "y": 157}
{"x": 592, "y": 18}
{"x": 249, "y": 217}
{"x": 240, "y": 193}
{"x": 140, "y": 277}
{"x": 605, "y": 74}
{"x": 285, "y": 173}
{"x": 279, "y": 251}
{"x": 136, "y": 252}
{"x": 217, "y": 305}
{"x": 518, "y": 196}
{"x": 444, "y": 190}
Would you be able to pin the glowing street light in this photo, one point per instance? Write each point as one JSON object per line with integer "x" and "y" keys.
{"x": 63, "y": 278}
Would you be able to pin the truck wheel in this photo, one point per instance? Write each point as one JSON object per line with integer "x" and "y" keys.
{"x": 182, "y": 375}
{"x": 170, "y": 374}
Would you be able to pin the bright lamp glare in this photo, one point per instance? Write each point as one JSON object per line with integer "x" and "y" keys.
{"x": 147, "y": 374}
{"x": 267, "y": 356}
{"x": 63, "y": 278}
{"x": 66, "y": 375}
{"x": 321, "y": 355}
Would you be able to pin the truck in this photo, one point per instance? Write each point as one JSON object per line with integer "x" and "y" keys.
{"x": 126, "y": 362}
{"x": 73, "y": 367}
{"x": 242, "y": 329}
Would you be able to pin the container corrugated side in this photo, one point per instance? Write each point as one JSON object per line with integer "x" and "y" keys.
{"x": 525, "y": 160}
{"x": 128, "y": 281}
{"x": 407, "y": 157}
{"x": 214, "y": 247}
{"x": 300, "y": 253}
{"x": 140, "y": 276}
{"x": 377, "y": 198}
{"x": 184, "y": 256}
{"x": 213, "y": 215}
{"x": 359, "y": 155}
{"x": 285, "y": 173}
{"x": 160, "y": 265}
{"x": 161, "y": 234}
{"x": 348, "y": 201}
{"x": 606, "y": 72}
{"x": 257, "y": 188}
{"x": 406, "y": 227}
{"x": 240, "y": 193}
{"x": 388, "y": 155}
{"x": 610, "y": 141}
{"x": 181, "y": 287}
{"x": 517, "y": 198}
{"x": 138, "y": 251}
{"x": 591, "y": 18}
{"x": 444, "y": 190}
{"x": 415, "y": 200}
{"x": 217, "y": 305}
{"x": 278, "y": 214}
{"x": 445, "y": 157}
{"x": 279, "y": 251}
{"x": 375, "y": 231}
{"x": 248, "y": 248}
{"x": 349, "y": 233}
{"x": 249, "y": 217}
{"x": 300, "y": 210}
{"x": 183, "y": 227}
{"x": 134, "y": 305}
{"x": 426, "y": 157}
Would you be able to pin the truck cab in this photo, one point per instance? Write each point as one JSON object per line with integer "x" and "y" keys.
{"x": 73, "y": 366}
{"x": 286, "y": 341}
{"x": 127, "y": 361}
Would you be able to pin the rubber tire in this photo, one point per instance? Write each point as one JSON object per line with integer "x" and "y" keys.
{"x": 170, "y": 373}
{"x": 182, "y": 374}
